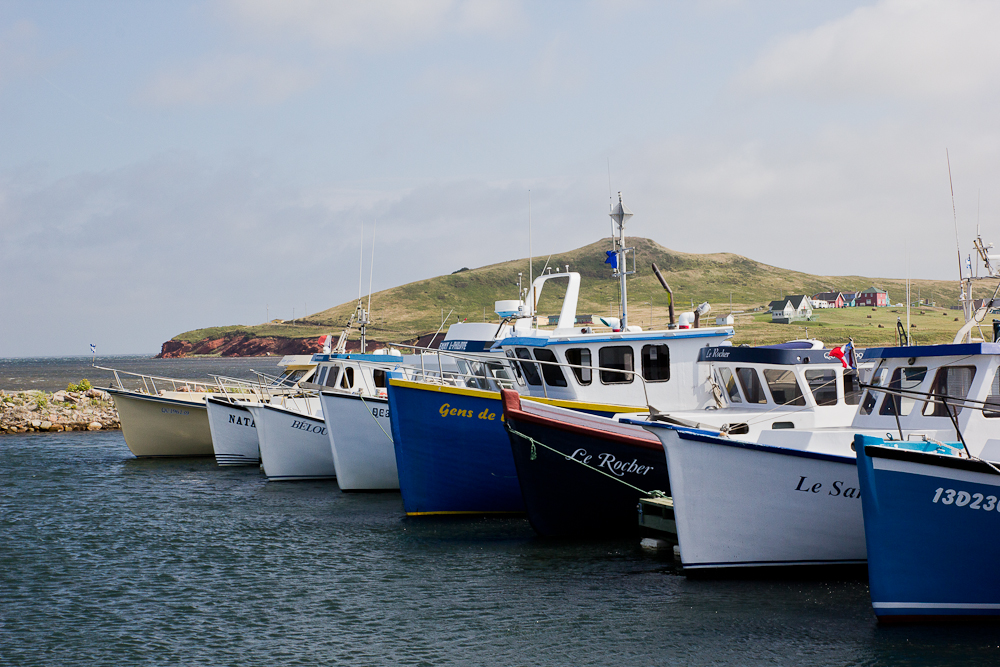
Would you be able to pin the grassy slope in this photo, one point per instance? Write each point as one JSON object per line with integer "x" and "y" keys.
{"x": 406, "y": 311}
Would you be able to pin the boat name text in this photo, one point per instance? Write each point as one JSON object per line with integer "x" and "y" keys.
{"x": 306, "y": 426}
{"x": 242, "y": 421}
{"x": 837, "y": 488}
{"x": 611, "y": 462}
{"x": 448, "y": 411}
{"x": 716, "y": 353}
{"x": 380, "y": 412}
{"x": 174, "y": 411}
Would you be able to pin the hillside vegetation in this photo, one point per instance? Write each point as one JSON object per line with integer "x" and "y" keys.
{"x": 403, "y": 313}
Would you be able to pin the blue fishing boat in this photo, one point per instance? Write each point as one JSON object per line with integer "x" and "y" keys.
{"x": 931, "y": 515}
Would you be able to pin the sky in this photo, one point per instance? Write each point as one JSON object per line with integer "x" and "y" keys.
{"x": 166, "y": 166}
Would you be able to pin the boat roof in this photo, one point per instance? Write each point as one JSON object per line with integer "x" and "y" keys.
{"x": 664, "y": 335}
{"x": 357, "y": 356}
{"x": 766, "y": 355}
{"x": 946, "y": 350}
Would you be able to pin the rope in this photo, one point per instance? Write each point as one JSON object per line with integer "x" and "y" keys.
{"x": 374, "y": 417}
{"x": 534, "y": 455}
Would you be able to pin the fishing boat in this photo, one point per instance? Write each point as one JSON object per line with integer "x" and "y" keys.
{"x": 452, "y": 451}
{"x": 358, "y": 424}
{"x": 232, "y": 426}
{"x": 792, "y": 496}
{"x": 930, "y": 518}
{"x": 606, "y": 466}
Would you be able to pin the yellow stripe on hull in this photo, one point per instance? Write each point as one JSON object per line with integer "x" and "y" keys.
{"x": 558, "y": 402}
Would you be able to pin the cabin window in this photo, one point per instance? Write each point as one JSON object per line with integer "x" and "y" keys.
{"x": 727, "y": 380}
{"x": 616, "y": 358}
{"x": 871, "y": 397}
{"x": 823, "y": 385}
{"x": 752, "y": 388}
{"x": 530, "y": 370}
{"x": 784, "y": 388}
{"x": 656, "y": 363}
{"x": 515, "y": 366}
{"x": 580, "y": 356}
{"x": 852, "y": 389}
{"x": 992, "y": 408}
{"x": 553, "y": 374}
{"x": 331, "y": 379}
{"x": 347, "y": 378}
{"x": 289, "y": 378}
{"x": 321, "y": 376}
{"x": 951, "y": 381}
{"x": 378, "y": 377}
{"x": 500, "y": 374}
{"x": 902, "y": 378}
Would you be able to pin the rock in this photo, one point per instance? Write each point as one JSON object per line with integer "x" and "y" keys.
{"x": 59, "y": 396}
{"x": 94, "y": 426}
{"x": 44, "y": 426}
{"x": 35, "y": 423}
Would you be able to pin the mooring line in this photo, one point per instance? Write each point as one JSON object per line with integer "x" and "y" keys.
{"x": 534, "y": 455}
{"x": 374, "y": 417}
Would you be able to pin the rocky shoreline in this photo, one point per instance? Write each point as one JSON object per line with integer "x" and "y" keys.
{"x": 34, "y": 411}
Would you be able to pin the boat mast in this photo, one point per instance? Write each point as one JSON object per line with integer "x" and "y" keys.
{"x": 619, "y": 216}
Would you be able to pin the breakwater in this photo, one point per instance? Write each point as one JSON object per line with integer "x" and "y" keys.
{"x": 31, "y": 411}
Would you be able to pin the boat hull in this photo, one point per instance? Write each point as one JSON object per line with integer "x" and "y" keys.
{"x": 234, "y": 433}
{"x": 748, "y": 505}
{"x": 452, "y": 452}
{"x": 931, "y": 529}
{"x": 591, "y": 484}
{"x": 154, "y": 426}
{"x": 358, "y": 430}
{"x": 293, "y": 446}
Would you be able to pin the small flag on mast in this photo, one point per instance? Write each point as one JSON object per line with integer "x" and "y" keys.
{"x": 93, "y": 349}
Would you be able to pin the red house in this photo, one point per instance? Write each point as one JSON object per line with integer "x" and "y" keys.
{"x": 873, "y": 296}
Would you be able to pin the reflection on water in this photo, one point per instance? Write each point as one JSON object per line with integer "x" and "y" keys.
{"x": 107, "y": 559}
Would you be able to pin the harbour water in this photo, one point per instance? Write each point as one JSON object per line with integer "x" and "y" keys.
{"x": 108, "y": 559}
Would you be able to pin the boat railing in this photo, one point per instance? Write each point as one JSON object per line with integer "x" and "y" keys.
{"x": 147, "y": 384}
{"x": 515, "y": 363}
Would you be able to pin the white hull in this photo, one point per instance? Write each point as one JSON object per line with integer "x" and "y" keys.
{"x": 234, "y": 434}
{"x": 158, "y": 426}
{"x": 293, "y": 445}
{"x": 359, "y": 439}
{"x": 743, "y": 505}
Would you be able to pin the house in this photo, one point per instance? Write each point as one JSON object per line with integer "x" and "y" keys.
{"x": 873, "y": 296}
{"x": 828, "y": 300}
{"x": 794, "y": 307}
{"x": 723, "y": 320}
{"x": 850, "y": 299}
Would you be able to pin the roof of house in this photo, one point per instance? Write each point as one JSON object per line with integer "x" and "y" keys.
{"x": 874, "y": 290}
{"x": 798, "y": 300}
{"x": 778, "y": 304}
{"x": 826, "y": 296}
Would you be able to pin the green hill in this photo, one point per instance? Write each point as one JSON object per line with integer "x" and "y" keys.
{"x": 402, "y": 313}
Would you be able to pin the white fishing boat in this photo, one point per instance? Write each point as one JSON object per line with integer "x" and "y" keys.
{"x": 293, "y": 438}
{"x": 233, "y": 429}
{"x": 356, "y": 406}
{"x": 791, "y": 497}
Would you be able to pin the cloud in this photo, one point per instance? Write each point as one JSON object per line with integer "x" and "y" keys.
{"x": 929, "y": 49}
{"x": 375, "y": 25}
{"x": 226, "y": 79}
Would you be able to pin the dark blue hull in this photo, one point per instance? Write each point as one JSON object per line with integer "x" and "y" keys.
{"x": 932, "y": 528}
{"x": 582, "y": 482}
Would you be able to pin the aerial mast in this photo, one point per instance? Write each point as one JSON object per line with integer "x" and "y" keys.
{"x": 619, "y": 216}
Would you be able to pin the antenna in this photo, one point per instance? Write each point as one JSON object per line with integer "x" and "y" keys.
{"x": 361, "y": 259}
{"x": 530, "y": 257}
{"x": 371, "y": 269}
